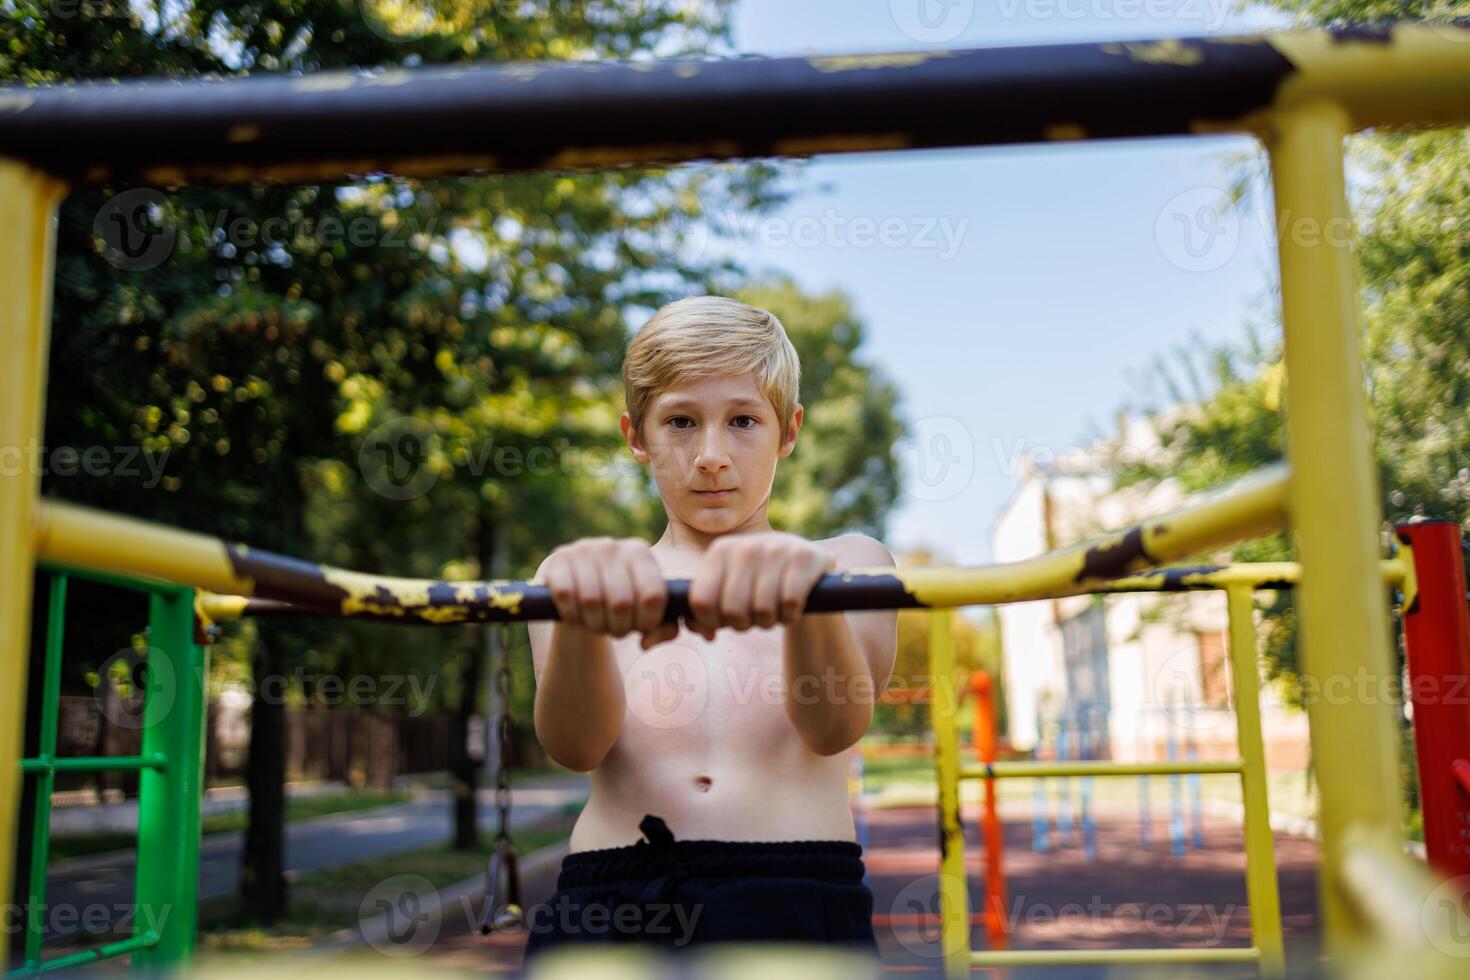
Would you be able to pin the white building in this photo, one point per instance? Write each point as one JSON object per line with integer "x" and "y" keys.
{"x": 1128, "y": 676}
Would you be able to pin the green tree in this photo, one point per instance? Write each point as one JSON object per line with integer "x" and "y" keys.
{"x": 243, "y": 360}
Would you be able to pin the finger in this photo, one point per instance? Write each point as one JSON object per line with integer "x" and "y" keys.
{"x": 653, "y": 592}
{"x": 563, "y": 587}
{"x": 620, "y": 591}
{"x": 796, "y": 585}
{"x": 765, "y": 603}
{"x": 735, "y": 594}
{"x": 589, "y": 595}
{"x": 662, "y": 634}
{"x": 704, "y": 594}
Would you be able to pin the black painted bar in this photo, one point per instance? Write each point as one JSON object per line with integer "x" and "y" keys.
{"x": 562, "y": 115}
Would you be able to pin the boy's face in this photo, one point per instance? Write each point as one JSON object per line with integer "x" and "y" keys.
{"x": 713, "y": 444}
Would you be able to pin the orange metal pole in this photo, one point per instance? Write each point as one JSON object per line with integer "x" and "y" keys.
{"x": 995, "y": 879}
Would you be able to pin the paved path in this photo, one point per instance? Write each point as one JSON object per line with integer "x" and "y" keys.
{"x": 106, "y": 880}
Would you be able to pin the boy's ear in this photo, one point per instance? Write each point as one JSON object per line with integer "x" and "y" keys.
{"x": 789, "y": 443}
{"x": 635, "y": 442}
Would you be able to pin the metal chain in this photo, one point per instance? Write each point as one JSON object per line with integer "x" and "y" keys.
{"x": 502, "y": 771}
{"x": 502, "y": 909}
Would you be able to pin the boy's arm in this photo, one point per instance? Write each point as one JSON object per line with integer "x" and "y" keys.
{"x": 838, "y": 663}
{"x": 602, "y": 588}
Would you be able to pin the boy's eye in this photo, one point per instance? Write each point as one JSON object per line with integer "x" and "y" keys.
{"x": 678, "y": 419}
{"x": 750, "y": 419}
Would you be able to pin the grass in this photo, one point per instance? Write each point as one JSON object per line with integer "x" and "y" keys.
{"x": 297, "y": 808}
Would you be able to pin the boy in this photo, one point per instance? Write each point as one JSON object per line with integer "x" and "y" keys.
{"x": 722, "y": 743}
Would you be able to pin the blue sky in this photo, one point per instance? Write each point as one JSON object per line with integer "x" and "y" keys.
{"x": 1015, "y": 295}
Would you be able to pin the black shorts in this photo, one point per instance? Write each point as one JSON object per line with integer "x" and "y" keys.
{"x": 677, "y": 894}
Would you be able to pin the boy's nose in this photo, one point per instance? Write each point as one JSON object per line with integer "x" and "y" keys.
{"x": 712, "y": 456}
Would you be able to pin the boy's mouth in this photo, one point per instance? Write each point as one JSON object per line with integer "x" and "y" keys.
{"x": 713, "y": 494}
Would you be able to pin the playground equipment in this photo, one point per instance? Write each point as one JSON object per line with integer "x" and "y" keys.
{"x": 1300, "y": 93}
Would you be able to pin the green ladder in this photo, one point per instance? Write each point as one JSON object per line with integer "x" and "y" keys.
{"x": 170, "y": 767}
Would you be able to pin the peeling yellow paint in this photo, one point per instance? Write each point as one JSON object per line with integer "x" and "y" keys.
{"x": 390, "y": 78}
{"x": 861, "y": 62}
{"x": 328, "y": 82}
{"x": 1065, "y": 131}
{"x": 1170, "y": 51}
{"x": 243, "y": 133}
{"x": 581, "y": 157}
{"x": 841, "y": 143}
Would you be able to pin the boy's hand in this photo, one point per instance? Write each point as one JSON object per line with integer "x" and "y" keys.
{"x": 749, "y": 580}
{"x": 610, "y": 585}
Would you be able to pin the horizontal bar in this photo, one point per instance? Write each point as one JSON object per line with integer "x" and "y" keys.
{"x": 80, "y": 536}
{"x": 1036, "y": 770}
{"x": 94, "y": 763}
{"x": 1258, "y": 575}
{"x": 1113, "y": 957}
{"x": 119, "y": 581}
{"x": 122, "y": 947}
{"x": 452, "y": 119}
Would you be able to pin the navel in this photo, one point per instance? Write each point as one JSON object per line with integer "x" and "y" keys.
{"x": 703, "y": 783}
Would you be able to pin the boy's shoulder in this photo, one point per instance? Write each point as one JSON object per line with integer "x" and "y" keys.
{"x": 857, "y": 551}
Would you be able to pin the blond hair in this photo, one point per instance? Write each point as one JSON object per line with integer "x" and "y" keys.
{"x": 711, "y": 335}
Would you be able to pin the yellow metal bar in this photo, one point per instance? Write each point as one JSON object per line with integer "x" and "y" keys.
{"x": 1334, "y": 498}
{"x": 1411, "y": 76}
{"x": 1249, "y": 508}
{"x": 1260, "y": 847}
{"x": 954, "y": 892}
{"x": 1257, "y": 575}
{"x": 1038, "y": 770}
{"x": 1113, "y": 957}
{"x": 28, "y": 200}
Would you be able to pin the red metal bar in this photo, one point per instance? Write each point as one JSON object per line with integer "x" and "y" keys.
{"x": 995, "y": 879}
{"x": 1437, "y": 635}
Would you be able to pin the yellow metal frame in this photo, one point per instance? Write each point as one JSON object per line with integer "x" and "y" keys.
{"x": 1404, "y": 76}
{"x": 28, "y": 201}
{"x": 1268, "y": 949}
